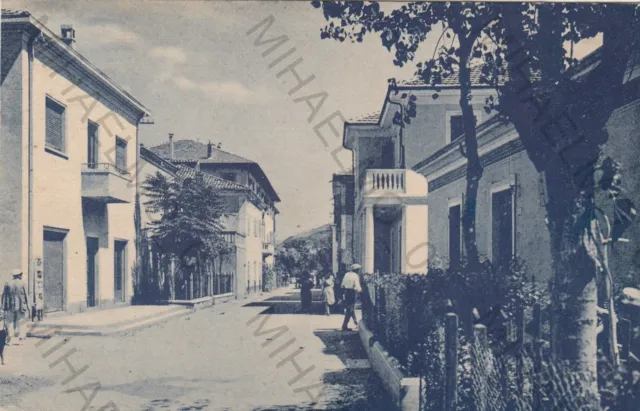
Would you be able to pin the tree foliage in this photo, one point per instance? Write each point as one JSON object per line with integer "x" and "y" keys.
{"x": 301, "y": 255}
{"x": 189, "y": 217}
{"x": 560, "y": 116}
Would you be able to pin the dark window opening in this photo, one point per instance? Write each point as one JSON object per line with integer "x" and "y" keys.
{"x": 455, "y": 237}
{"x": 229, "y": 176}
{"x": 502, "y": 227}
{"x": 121, "y": 155}
{"x": 457, "y": 126}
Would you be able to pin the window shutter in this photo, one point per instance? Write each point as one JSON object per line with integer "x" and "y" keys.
{"x": 54, "y": 125}
{"x": 121, "y": 154}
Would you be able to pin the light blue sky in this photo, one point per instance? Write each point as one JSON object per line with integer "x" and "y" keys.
{"x": 193, "y": 65}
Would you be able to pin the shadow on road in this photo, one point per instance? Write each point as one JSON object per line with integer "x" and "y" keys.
{"x": 346, "y": 390}
{"x": 289, "y": 304}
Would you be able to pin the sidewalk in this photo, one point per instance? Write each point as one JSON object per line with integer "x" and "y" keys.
{"x": 112, "y": 320}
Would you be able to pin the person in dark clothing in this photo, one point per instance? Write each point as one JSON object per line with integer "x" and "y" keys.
{"x": 306, "y": 284}
{"x": 350, "y": 288}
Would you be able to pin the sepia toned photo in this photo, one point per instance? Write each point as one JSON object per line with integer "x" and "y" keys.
{"x": 319, "y": 205}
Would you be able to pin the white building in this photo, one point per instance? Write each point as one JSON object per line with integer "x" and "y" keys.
{"x": 250, "y": 216}
{"x": 67, "y": 184}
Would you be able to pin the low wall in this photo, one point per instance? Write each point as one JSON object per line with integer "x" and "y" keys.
{"x": 404, "y": 390}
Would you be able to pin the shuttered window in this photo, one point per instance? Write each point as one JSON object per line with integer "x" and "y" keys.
{"x": 55, "y": 126}
{"x": 121, "y": 154}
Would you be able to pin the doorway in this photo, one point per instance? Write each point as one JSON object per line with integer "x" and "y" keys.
{"x": 92, "y": 268}
{"x": 54, "y": 269}
{"x": 120, "y": 270}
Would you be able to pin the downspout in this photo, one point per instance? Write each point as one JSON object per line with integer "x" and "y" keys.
{"x": 402, "y": 162}
{"x": 30, "y": 236}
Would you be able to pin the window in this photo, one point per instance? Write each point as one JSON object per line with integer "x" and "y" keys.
{"x": 121, "y": 155}
{"x": 55, "y": 126}
{"x": 92, "y": 145}
{"x": 454, "y": 235}
{"x": 229, "y": 176}
{"x": 457, "y": 126}
{"x": 502, "y": 226}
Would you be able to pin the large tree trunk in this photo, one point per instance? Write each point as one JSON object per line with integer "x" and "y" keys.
{"x": 561, "y": 123}
{"x": 574, "y": 295}
{"x": 474, "y": 168}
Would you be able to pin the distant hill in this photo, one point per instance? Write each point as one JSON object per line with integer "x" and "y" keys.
{"x": 316, "y": 235}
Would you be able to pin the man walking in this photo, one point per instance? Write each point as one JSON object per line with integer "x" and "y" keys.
{"x": 15, "y": 304}
{"x": 350, "y": 286}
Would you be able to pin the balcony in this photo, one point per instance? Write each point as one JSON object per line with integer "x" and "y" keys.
{"x": 106, "y": 183}
{"x": 268, "y": 248}
{"x": 394, "y": 183}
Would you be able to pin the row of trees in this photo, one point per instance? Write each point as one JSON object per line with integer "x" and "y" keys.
{"x": 300, "y": 255}
{"x": 184, "y": 231}
{"x": 560, "y": 120}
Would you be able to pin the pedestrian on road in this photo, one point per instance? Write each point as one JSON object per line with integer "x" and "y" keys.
{"x": 350, "y": 286}
{"x": 306, "y": 284}
{"x": 328, "y": 295}
{"x": 15, "y": 304}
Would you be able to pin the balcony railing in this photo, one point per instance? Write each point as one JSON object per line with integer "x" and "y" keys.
{"x": 106, "y": 167}
{"x": 386, "y": 180}
{"x": 394, "y": 183}
{"x": 106, "y": 182}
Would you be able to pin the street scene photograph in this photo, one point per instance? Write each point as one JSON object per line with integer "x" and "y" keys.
{"x": 284, "y": 205}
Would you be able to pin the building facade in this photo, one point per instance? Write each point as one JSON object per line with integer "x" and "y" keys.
{"x": 249, "y": 222}
{"x": 342, "y": 228}
{"x": 391, "y": 224}
{"x": 410, "y": 184}
{"x": 67, "y": 190}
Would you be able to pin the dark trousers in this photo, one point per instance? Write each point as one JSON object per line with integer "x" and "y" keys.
{"x": 349, "y": 313}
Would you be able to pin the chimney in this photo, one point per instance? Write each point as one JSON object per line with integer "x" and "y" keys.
{"x": 209, "y": 150}
{"x": 68, "y": 35}
{"x": 171, "y": 146}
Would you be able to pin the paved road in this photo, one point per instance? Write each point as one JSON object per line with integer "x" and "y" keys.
{"x": 238, "y": 356}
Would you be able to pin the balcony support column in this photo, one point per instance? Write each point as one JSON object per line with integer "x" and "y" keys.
{"x": 368, "y": 240}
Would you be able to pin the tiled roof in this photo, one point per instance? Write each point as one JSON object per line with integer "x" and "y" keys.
{"x": 14, "y": 14}
{"x": 452, "y": 80}
{"x": 215, "y": 182}
{"x": 370, "y": 118}
{"x": 190, "y": 150}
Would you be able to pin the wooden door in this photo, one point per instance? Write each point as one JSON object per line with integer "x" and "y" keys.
{"x": 53, "y": 272}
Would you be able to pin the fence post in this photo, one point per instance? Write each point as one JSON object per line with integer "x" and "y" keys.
{"x": 451, "y": 362}
{"x": 625, "y": 338}
{"x": 190, "y": 296}
{"x": 519, "y": 326}
{"x": 504, "y": 361}
{"x": 537, "y": 355}
{"x": 479, "y": 370}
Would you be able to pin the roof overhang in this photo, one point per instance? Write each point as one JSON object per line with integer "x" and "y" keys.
{"x": 32, "y": 24}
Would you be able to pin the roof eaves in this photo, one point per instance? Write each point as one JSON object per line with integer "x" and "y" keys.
{"x": 86, "y": 64}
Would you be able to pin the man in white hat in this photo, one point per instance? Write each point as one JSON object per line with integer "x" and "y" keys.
{"x": 15, "y": 304}
{"x": 351, "y": 286}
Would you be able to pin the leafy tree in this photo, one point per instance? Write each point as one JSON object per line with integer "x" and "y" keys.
{"x": 402, "y": 31}
{"x": 189, "y": 227}
{"x": 560, "y": 119}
